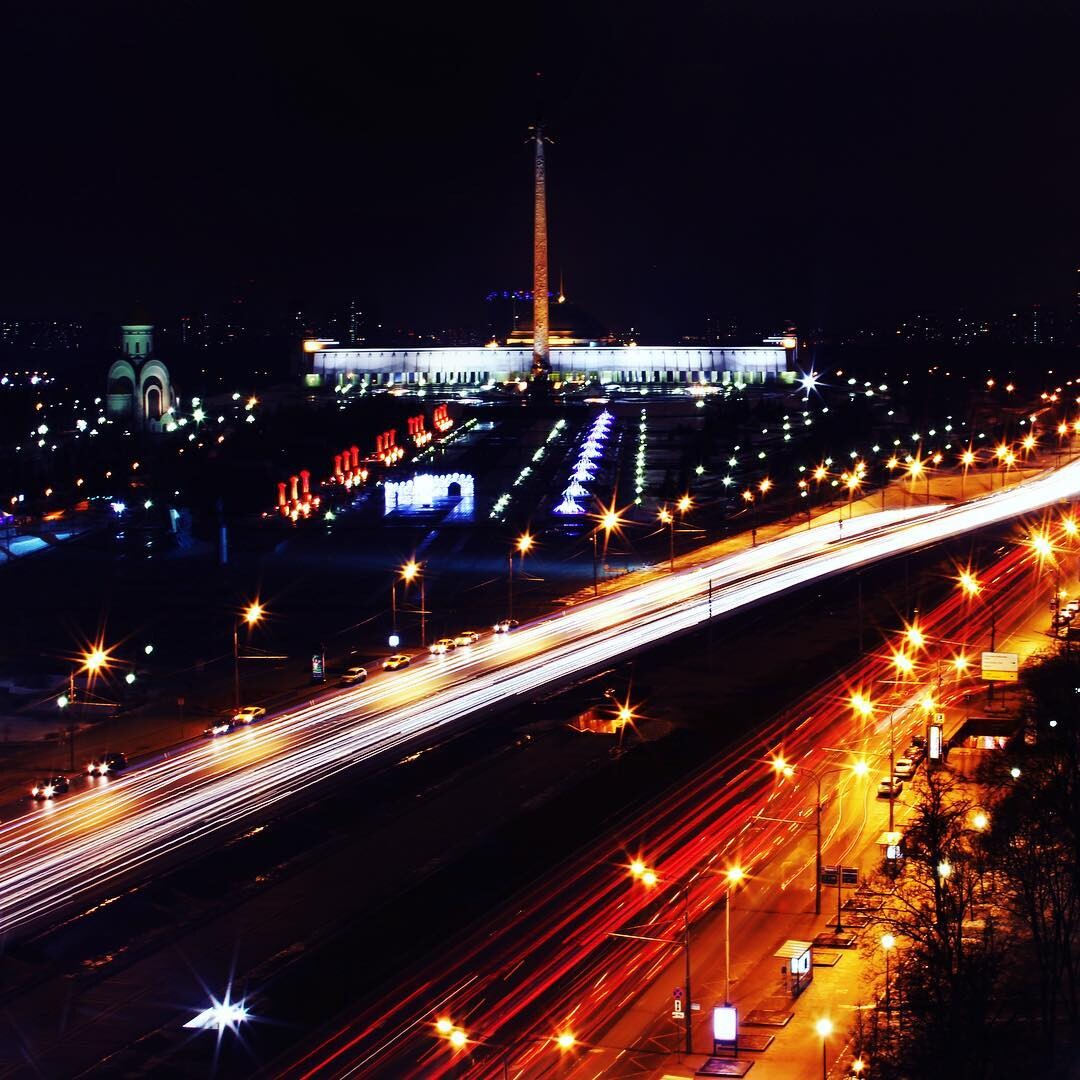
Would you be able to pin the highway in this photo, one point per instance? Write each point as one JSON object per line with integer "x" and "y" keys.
{"x": 575, "y": 952}
{"x": 75, "y": 850}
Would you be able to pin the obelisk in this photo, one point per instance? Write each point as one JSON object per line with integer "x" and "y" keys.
{"x": 540, "y": 364}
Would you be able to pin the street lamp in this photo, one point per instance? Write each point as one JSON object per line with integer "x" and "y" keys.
{"x": 860, "y": 768}
{"x": 734, "y": 875}
{"x": 888, "y": 943}
{"x": 522, "y": 545}
{"x": 648, "y": 878}
{"x": 409, "y": 572}
{"x": 252, "y": 614}
{"x": 668, "y": 518}
{"x": 609, "y": 521}
{"x": 824, "y": 1029}
{"x": 967, "y": 459}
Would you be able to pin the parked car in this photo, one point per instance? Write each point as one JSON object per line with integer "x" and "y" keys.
{"x": 443, "y": 645}
{"x": 504, "y": 626}
{"x": 50, "y": 787}
{"x": 219, "y": 727}
{"x": 398, "y": 660}
{"x": 904, "y": 768}
{"x": 890, "y": 789}
{"x": 248, "y": 713}
{"x": 107, "y": 764}
{"x": 353, "y": 675}
{"x": 467, "y": 637}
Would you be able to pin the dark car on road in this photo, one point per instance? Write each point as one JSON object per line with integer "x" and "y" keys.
{"x": 107, "y": 764}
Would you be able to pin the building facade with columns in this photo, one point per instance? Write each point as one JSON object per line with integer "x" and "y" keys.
{"x": 620, "y": 365}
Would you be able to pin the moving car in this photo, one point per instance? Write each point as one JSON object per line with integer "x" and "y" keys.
{"x": 443, "y": 645}
{"x": 890, "y": 789}
{"x": 46, "y": 789}
{"x": 904, "y": 768}
{"x": 106, "y": 764}
{"x": 504, "y": 626}
{"x": 354, "y": 674}
{"x": 467, "y": 637}
{"x": 248, "y": 713}
{"x": 398, "y": 660}
{"x": 219, "y": 727}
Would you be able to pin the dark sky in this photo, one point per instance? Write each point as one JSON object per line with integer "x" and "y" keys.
{"x": 818, "y": 162}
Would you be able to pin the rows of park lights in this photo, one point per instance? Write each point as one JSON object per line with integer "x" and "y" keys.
{"x": 584, "y": 471}
{"x": 639, "y": 459}
{"x": 173, "y": 421}
{"x": 498, "y": 510}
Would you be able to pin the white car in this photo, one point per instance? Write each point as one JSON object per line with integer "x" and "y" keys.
{"x": 890, "y": 789}
{"x": 248, "y": 713}
{"x": 467, "y": 637}
{"x": 354, "y": 675}
{"x": 443, "y": 645}
{"x": 904, "y": 768}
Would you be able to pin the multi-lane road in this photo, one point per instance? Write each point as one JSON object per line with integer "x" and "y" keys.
{"x": 69, "y": 852}
{"x": 577, "y": 951}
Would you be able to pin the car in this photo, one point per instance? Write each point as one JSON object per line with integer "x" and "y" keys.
{"x": 904, "y": 768}
{"x": 50, "y": 787}
{"x": 248, "y": 713}
{"x": 443, "y": 645}
{"x": 355, "y": 674}
{"x": 219, "y": 727}
{"x": 398, "y": 660}
{"x": 106, "y": 764}
{"x": 890, "y": 789}
{"x": 467, "y": 637}
{"x": 919, "y": 741}
{"x": 504, "y": 626}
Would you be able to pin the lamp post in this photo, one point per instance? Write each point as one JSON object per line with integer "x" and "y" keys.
{"x": 640, "y": 872}
{"x": 967, "y": 459}
{"x": 608, "y": 521}
{"x": 668, "y": 518}
{"x": 409, "y": 572}
{"x": 93, "y": 663}
{"x": 521, "y": 545}
{"x": 860, "y": 768}
{"x": 734, "y": 875}
{"x": 250, "y": 616}
{"x": 824, "y": 1029}
{"x": 888, "y": 943}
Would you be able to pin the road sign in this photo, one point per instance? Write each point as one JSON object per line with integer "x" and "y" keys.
{"x": 1000, "y": 666}
{"x": 849, "y": 875}
{"x": 677, "y": 1013}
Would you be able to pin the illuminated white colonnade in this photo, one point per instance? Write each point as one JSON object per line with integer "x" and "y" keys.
{"x": 621, "y": 364}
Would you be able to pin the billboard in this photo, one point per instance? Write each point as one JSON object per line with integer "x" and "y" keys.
{"x": 1000, "y": 666}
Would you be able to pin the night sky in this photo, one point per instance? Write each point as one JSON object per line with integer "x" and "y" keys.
{"x": 824, "y": 164}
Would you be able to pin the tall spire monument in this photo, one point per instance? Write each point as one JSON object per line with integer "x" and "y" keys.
{"x": 541, "y": 361}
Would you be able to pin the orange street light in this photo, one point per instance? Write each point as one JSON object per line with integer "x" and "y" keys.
{"x": 903, "y": 663}
{"x": 685, "y": 503}
{"x": 96, "y": 659}
{"x": 764, "y": 485}
{"x": 410, "y": 570}
{"x": 980, "y": 820}
{"x": 820, "y": 473}
{"x": 253, "y": 613}
{"x": 969, "y": 583}
{"x": 524, "y": 543}
{"x": 1040, "y": 544}
{"x": 915, "y": 637}
{"x": 565, "y": 1041}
